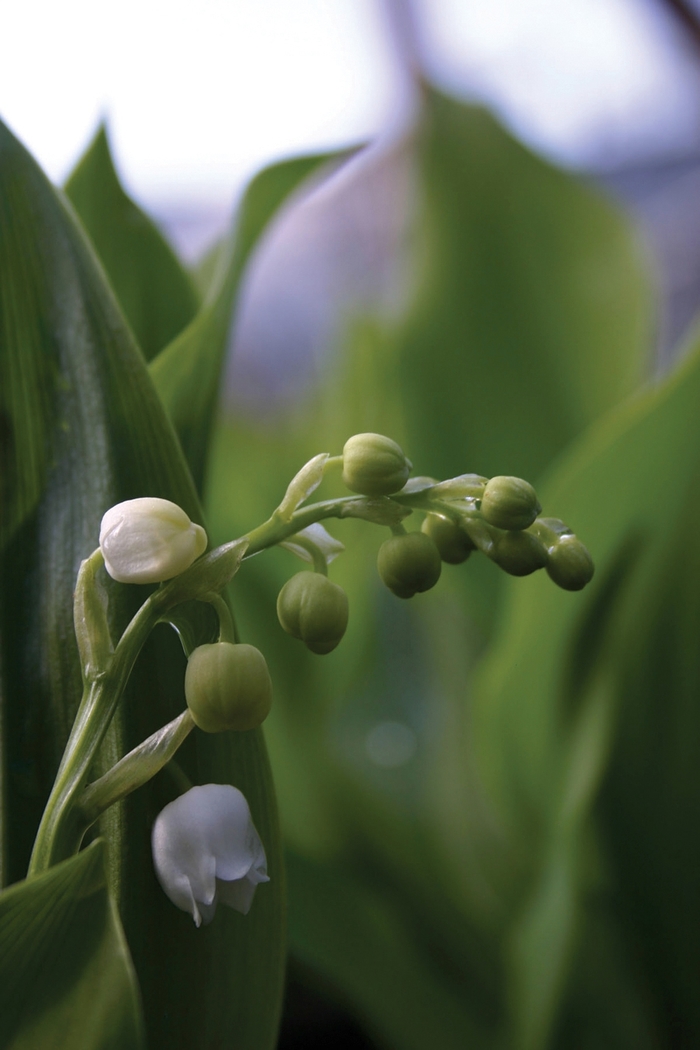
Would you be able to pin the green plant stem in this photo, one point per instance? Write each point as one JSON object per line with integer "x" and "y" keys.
{"x": 274, "y": 530}
{"x": 59, "y": 833}
{"x": 227, "y": 626}
{"x": 63, "y": 823}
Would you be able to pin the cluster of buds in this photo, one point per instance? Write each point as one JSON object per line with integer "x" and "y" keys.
{"x": 500, "y": 517}
{"x": 205, "y": 846}
{"x": 497, "y": 516}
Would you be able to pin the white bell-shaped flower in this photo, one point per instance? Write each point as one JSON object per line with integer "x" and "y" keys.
{"x": 149, "y": 540}
{"x": 206, "y": 850}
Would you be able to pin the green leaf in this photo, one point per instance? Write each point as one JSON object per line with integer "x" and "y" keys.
{"x": 66, "y": 978}
{"x": 630, "y": 489}
{"x": 527, "y": 316}
{"x": 82, "y": 429}
{"x": 154, "y": 291}
{"x": 532, "y": 315}
{"x": 350, "y": 930}
{"x": 545, "y": 936}
{"x": 187, "y": 373}
{"x": 510, "y": 343}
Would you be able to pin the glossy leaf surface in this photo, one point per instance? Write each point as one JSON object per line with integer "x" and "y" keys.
{"x": 82, "y": 429}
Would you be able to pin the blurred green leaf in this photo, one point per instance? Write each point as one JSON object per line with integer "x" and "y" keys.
{"x": 544, "y": 938}
{"x": 154, "y": 291}
{"x": 532, "y": 312}
{"x": 66, "y": 978}
{"x": 187, "y": 373}
{"x": 630, "y": 488}
{"x": 82, "y": 429}
{"x": 349, "y": 929}
{"x": 526, "y": 316}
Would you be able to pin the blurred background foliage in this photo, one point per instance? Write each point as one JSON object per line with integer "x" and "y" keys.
{"x": 488, "y": 794}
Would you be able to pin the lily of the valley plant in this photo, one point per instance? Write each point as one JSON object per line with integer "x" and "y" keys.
{"x": 206, "y": 849}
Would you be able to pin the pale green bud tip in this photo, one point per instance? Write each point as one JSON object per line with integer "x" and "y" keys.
{"x": 149, "y": 540}
{"x": 206, "y": 851}
{"x": 315, "y": 610}
{"x": 409, "y": 564}
{"x": 452, "y": 542}
{"x": 374, "y": 465}
{"x": 509, "y": 503}
{"x": 570, "y": 565}
{"x": 228, "y": 687}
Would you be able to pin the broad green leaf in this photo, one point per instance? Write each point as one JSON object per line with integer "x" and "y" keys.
{"x": 509, "y": 253}
{"x": 187, "y": 373}
{"x": 532, "y": 313}
{"x": 526, "y": 317}
{"x": 154, "y": 291}
{"x": 66, "y": 978}
{"x": 630, "y": 488}
{"x": 83, "y": 429}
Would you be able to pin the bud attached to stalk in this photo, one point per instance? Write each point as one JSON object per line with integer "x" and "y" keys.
{"x": 409, "y": 564}
{"x": 509, "y": 503}
{"x": 519, "y": 553}
{"x": 228, "y": 687}
{"x": 315, "y": 610}
{"x": 374, "y": 465}
{"x": 452, "y": 542}
{"x": 569, "y": 564}
{"x": 149, "y": 540}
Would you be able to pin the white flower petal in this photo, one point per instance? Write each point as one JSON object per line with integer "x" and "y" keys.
{"x": 206, "y": 848}
{"x": 149, "y": 540}
{"x": 238, "y": 894}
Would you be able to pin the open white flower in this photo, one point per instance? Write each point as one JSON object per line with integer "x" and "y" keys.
{"x": 206, "y": 850}
{"x": 149, "y": 540}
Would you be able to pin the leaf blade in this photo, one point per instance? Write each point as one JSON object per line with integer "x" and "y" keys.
{"x": 187, "y": 372}
{"x": 155, "y": 292}
{"x": 85, "y": 429}
{"x": 66, "y": 978}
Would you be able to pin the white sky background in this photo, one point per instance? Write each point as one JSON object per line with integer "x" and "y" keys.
{"x": 201, "y": 94}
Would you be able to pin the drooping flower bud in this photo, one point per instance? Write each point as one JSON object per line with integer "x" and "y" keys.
{"x": 206, "y": 849}
{"x": 374, "y": 465}
{"x": 149, "y": 540}
{"x": 409, "y": 564}
{"x": 519, "y": 553}
{"x": 228, "y": 687}
{"x": 569, "y": 564}
{"x": 452, "y": 542}
{"x": 509, "y": 503}
{"x": 314, "y": 609}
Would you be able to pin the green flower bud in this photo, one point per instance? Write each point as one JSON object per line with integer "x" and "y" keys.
{"x": 570, "y": 565}
{"x": 519, "y": 553}
{"x": 374, "y": 465}
{"x": 315, "y": 610}
{"x": 550, "y": 529}
{"x": 452, "y": 542}
{"x": 509, "y": 503}
{"x": 228, "y": 687}
{"x": 409, "y": 564}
